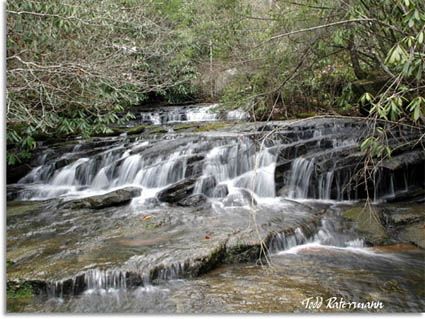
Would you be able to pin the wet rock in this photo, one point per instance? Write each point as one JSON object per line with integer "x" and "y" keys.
{"x": 137, "y": 130}
{"x": 283, "y": 192}
{"x": 241, "y": 197}
{"x": 13, "y": 190}
{"x": 414, "y": 234}
{"x": 405, "y": 222}
{"x": 151, "y": 202}
{"x": 405, "y": 159}
{"x": 404, "y": 219}
{"x": 194, "y": 200}
{"x": 414, "y": 194}
{"x": 177, "y": 191}
{"x": 220, "y": 191}
{"x": 116, "y": 198}
{"x": 16, "y": 172}
{"x": 20, "y": 208}
{"x": 369, "y": 224}
{"x": 208, "y": 183}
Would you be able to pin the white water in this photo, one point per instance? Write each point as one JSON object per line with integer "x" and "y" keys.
{"x": 299, "y": 183}
{"x": 109, "y": 171}
{"x": 179, "y": 114}
{"x": 239, "y": 165}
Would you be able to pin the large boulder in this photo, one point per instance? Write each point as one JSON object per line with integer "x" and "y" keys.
{"x": 178, "y": 191}
{"x": 115, "y": 198}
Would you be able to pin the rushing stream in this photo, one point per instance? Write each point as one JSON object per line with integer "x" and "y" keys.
{"x": 180, "y": 222}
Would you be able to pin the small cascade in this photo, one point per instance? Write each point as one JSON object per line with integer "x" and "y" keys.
{"x": 108, "y": 170}
{"x": 237, "y": 115}
{"x": 284, "y": 241}
{"x": 238, "y": 165}
{"x": 325, "y": 184}
{"x": 202, "y": 114}
{"x": 38, "y": 174}
{"x": 328, "y": 234}
{"x": 300, "y": 180}
{"x": 68, "y": 175}
{"x": 170, "y": 272}
{"x": 384, "y": 185}
{"x": 105, "y": 279}
{"x": 180, "y": 114}
{"x": 162, "y": 172}
{"x": 152, "y": 117}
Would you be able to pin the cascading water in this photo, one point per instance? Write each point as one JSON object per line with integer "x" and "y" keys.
{"x": 106, "y": 279}
{"x": 238, "y": 165}
{"x": 109, "y": 170}
{"x": 170, "y": 241}
{"x": 180, "y": 114}
{"x": 301, "y": 172}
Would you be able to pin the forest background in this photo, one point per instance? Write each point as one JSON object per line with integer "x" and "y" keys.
{"x": 74, "y": 67}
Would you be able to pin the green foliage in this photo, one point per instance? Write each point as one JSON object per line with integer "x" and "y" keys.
{"x": 71, "y": 66}
{"x": 374, "y": 148}
{"x": 19, "y": 290}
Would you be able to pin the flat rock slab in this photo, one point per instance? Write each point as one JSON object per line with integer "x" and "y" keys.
{"x": 56, "y": 245}
{"x": 115, "y": 198}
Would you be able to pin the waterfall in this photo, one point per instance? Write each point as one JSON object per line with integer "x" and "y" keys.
{"x": 304, "y": 162}
{"x": 181, "y": 114}
{"x": 202, "y": 114}
{"x": 105, "y": 279}
{"x": 325, "y": 184}
{"x": 300, "y": 180}
{"x": 111, "y": 169}
{"x": 238, "y": 165}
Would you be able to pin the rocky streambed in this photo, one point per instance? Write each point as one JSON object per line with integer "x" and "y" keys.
{"x": 172, "y": 214}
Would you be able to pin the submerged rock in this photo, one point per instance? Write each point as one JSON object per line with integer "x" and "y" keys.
{"x": 220, "y": 191}
{"x": 194, "y": 200}
{"x": 241, "y": 197}
{"x": 116, "y": 198}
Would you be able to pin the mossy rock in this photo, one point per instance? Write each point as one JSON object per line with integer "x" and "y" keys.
{"x": 186, "y": 126}
{"x": 137, "y": 130}
{"x": 158, "y": 130}
{"x": 20, "y": 208}
{"x": 306, "y": 115}
{"x": 211, "y": 127}
{"x": 414, "y": 234}
{"x": 369, "y": 224}
{"x": 19, "y": 289}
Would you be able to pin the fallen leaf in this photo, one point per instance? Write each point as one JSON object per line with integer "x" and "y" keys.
{"x": 142, "y": 219}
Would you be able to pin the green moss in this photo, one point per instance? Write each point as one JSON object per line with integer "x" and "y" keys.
{"x": 212, "y": 254}
{"x": 242, "y": 253}
{"x": 211, "y": 127}
{"x": 158, "y": 130}
{"x": 138, "y": 129}
{"x": 18, "y": 208}
{"x": 306, "y": 115}
{"x": 185, "y": 126}
{"x": 19, "y": 290}
{"x": 368, "y": 223}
